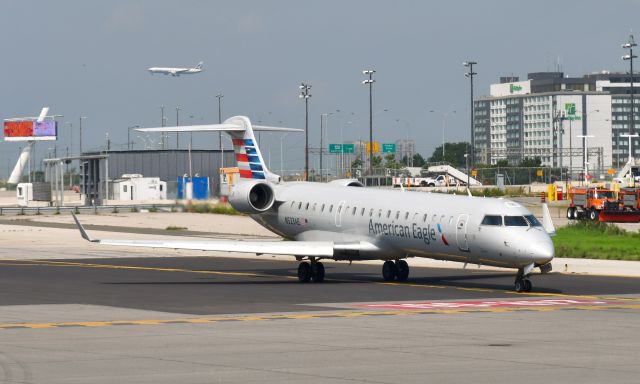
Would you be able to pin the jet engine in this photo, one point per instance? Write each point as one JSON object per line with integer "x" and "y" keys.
{"x": 347, "y": 182}
{"x": 252, "y": 197}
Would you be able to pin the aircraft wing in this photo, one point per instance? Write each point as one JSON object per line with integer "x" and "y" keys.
{"x": 290, "y": 248}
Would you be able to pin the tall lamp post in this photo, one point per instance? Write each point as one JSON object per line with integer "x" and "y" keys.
{"x": 304, "y": 94}
{"x": 470, "y": 74}
{"x": 586, "y": 159}
{"x": 370, "y": 81}
{"x": 129, "y": 143}
{"x": 444, "y": 124}
{"x": 630, "y": 56}
{"x": 177, "y": 125}
{"x": 630, "y": 137}
{"x": 220, "y": 96}
{"x": 81, "y": 118}
{"x": 162, "y": 134}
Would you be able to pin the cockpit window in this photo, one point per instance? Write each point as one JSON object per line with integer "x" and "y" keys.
{"x": 492, "y": 220}
{"x": 515, "y": 221}
{"x": 533, "y": 221}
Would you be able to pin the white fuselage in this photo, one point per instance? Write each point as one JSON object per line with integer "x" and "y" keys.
{"x": 403, "y": 224}
{"x": 175, "y": 71}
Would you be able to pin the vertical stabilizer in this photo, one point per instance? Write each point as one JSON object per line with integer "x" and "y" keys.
{"x": 248, "y": 155}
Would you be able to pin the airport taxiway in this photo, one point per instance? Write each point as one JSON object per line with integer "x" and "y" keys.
{"x": 74, "y": 312}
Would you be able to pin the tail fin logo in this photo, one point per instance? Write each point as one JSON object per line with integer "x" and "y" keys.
{"x": 249, "y": 162}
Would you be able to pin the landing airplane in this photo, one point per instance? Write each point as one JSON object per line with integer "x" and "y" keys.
{"x": 342, "y": 220}
{"x": 177, "y": 71}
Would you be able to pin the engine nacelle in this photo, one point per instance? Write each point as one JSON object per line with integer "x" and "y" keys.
{"x": 252, "y": 197}
{"x": 347, "y": 182}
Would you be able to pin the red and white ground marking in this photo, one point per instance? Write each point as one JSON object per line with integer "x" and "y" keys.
{"x": 484, "y": 304}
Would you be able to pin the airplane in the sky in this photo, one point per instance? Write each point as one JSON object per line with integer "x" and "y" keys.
{"x": 177, "y": 71}
{"x": 342, "y": 220}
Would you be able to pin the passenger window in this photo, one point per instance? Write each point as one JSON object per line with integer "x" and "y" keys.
{"x": 371, "y": 213}
{"x": 300, "y": 205}
{"x": 340, "y": 209}
{"x": 388, "y": 214}
{"x": 424, "y": 218}
{"x": 307, "y": 207}
{"x": 379, "y": 213}
{"x": 406, "y": 215}
{"x": 362, "y": 212}
{"x": 331, "y": 208}
{"x": 322, "y": 208}
{"x": 397, "y": 215}
{"x": 495, "y": 220}
{"x": 353, "y": 212}
{"x": 515, "y": 221}
{"x": 292, "y": 202}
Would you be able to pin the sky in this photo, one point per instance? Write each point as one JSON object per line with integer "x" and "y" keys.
{"x": 89, "y": 58}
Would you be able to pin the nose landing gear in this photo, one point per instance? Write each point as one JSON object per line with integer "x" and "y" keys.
{"x": 523, "y": 284}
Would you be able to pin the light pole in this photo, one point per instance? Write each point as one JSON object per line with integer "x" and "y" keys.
{"x": 444, "y": 118}
{"x": 304, "y": 94}
{"x": 220, "y": 96}
{"x": 162, "y": 134}
{"x": 281, "y": 157}
{"x": 586, "y": 159}
{"x": 629, "y": 45}
{"x": 81, "y": 118}
{"x": 630, "y": 137}
{"x": 129, "y": 143}
{"x": 370, "y": 81}
{"x": 177, "y": 125}
{"x": 470, "y": 74}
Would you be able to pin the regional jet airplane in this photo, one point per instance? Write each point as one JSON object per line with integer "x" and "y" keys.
{"x": 177, "y": 71}
{"x": 342, "y": 220}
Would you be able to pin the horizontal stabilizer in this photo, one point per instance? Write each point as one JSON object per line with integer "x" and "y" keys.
{"x": 216, "y": 128}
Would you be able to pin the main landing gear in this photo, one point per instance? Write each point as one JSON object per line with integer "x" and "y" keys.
{"x": 311, "y": 271}
{"x": 522, "y": 284}
{"x": 398, "y": 270}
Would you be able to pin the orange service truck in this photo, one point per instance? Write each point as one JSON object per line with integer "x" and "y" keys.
{"x": 589, "y": 202}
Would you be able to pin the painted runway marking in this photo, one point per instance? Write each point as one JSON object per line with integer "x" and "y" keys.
{"x": 477, "y": 304}
{"x": 309, "y": 316}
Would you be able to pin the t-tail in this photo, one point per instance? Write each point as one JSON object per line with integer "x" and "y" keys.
{"x": 248, "y": 156}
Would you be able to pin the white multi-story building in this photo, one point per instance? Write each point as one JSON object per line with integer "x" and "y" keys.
{"x": 543, "y": 116}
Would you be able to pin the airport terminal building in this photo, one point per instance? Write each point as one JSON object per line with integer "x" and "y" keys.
{"x": 543, "y": 115}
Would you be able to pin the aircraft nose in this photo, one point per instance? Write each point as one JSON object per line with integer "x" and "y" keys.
{"x": 543, "y": 251}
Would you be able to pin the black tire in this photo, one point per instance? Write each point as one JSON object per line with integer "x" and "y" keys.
{"x": 402, "y": 270}
{"x": 593, "y": 214}
{"x": 423, "y": 184}
{"x": 304, "y": 272}
{"x": 431, "y": 185}
{"x": 318, "y": 272}
{"x": 519, "y": 285}
{"x": 570, "y": 213}
{"x": 527, "y": 285}
{"x": 389, "y": 270}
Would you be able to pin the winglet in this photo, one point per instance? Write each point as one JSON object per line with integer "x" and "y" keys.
{"x": 82, "y": 230}
{"x": 547, "y": 223}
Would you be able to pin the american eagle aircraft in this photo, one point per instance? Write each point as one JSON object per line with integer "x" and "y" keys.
{"x": 342, "y": 220}
{"x": 177, "y": 71}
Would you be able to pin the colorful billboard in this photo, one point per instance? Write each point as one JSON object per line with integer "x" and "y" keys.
{"x": 29, "y": 130}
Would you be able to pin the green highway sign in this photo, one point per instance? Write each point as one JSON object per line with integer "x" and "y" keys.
{"x": 348, "y": 148}
{"x": 342, "y": 148}
{"x": 388, "y": 148}
{"x": 570, "y": 108}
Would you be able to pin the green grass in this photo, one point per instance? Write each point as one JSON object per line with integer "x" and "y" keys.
{"x": 175, "y": 228}
{"x": 595, "y": 240}
{"x": 221, "y": 209}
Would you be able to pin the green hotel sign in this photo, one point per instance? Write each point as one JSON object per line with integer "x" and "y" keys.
{"x": 514, "y": 88}
{"x": 570, "y": 108}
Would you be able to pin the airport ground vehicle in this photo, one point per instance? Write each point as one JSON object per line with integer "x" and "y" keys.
{"x": 439, "y": 181}
{"x": 603, "y": 205}
{"x": 588, "y": 202}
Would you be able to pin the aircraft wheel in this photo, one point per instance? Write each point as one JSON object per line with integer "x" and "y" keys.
{"x": 527, "y": 285}
{"x": 318, "y": 272}
{"x": 519, "y": 285}
{"x": 389, "y": 270}
{"x": 593, "y": 215}
{"x": 403, "y": 270}
{"x": 304, "y": 272}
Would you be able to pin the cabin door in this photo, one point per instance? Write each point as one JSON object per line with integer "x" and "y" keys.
{"x": 461, "y": 232}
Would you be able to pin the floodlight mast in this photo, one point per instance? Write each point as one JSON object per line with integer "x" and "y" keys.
{"x": 630, "y": 56}
{"x": 370, "y": 81}
{"x": 305, "y": 94}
